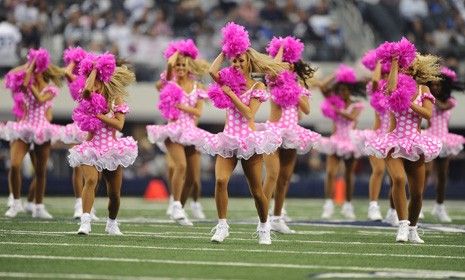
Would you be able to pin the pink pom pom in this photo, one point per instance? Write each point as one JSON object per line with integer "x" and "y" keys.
{"x": 403, "y": 50}
{"x": 76, "y": 87}
{"x": 105, "y": 64}
{"x": 235, "y": 40}
{"x": 184, "y": 47}
{"x": 14, "y": 80}
{"x": 330, "y": 105}
{"x": 87, "y": 64}
{"x": 369, "y": 60}
{"x": 18, "y": 105}
{"x": 74, "y": 55}
{"x": 42, "y": 59}
{"x": 233, "y": 78}
{"x": 292, "y": 48}
{"x": 345, "y": 74}
{"x": 85, "y": 113}
{"x": 219, "y": 99}
{"x": 170, "y": 96}
{"x": 449, "y": 73}
{"x": 378, "y": 98}
{"x": 285, "y": 90}
{"x": 401, "y": 98}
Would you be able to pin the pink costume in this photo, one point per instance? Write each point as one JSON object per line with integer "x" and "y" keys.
{"x": 105, "y": 151}
{"x": 293, "y": 135}
{"x": 452, "y": 144}
{"x": 406, "y": 141}
{"x": 238, "y": 139}
{"x": 340, "y": 143}
{"x": 183, "y": 130}
{"x": 34, "y": 128}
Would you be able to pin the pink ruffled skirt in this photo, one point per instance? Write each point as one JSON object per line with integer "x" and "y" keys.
{"x": 186, "y": 136}
{"x": 72, "y": 134}
{"x": 339, "y": 146}
{"x": 31, "y": 133}
{"x": 452, "y": 144}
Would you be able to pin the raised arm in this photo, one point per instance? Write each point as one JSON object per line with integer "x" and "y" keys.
{"x": 170, "y": 65}
{"x": 324, "y": 84}
{"x": 29, "y": 70}
{"x": 117, "y": 122}
{"x": 304, "y": 105}
{"x": 215, "y": 67}
{"x": 279, "y": 55}
{"x": 392, "y": 78}
{"x": 69, "y": 71}
{"x": 41, "y": 97}
{"x": 376, "y": 77}
{"x": 447, "y": 105}
{"x": 426, "y": 110}
{"x": 352, "y": 115}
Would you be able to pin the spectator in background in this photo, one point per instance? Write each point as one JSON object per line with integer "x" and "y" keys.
{"x": 27, "y": 18}
{"x": 95, "y": 6}
{"x": 272, "y": 13}
{"x": 58, "y": 17}
{"x": 119, "y": 34}
{"x": 74, "y": 34}
{"x": 10, "y": 39}
{"x": 412, "y": 9}
{"x": 160, "y": 26}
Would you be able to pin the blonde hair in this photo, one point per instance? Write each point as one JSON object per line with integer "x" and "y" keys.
{"x": 263, "y": 63}
{"x": 425, "y": 68}
{"x": 116, "y": 87}
{"x": 198, "y": 67}
{"x": 55, "y": 74}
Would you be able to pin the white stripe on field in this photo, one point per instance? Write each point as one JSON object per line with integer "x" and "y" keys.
{"x": 378, "y": 274}
{"x": 23, "y": 275}
{"x": 213, "y": 263}
{"x": 230, "y": 250}
{"x": 184, "y": 236}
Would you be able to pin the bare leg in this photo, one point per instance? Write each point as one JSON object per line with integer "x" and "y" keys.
{"x": 114, "y": 180}
{"x": 223, "y": 170}
{"x": 178, "y": 156}
{"x": 332, "y": 164}
{"x": 253, "y": 171}
{"x": 170, "y": 172}
{"x": 442, "y": 169}
{"x": 91, "y": 177}
{"x": 287, "y": 159}
{"x": 272, "y": 172}
{"x": 348, "y": 177}
{"x": 32, "y": 186}
{"x": 416, "y": 180}
{"x": 41, "y": 152}
{"x": 18, "y": 150}
{"x": 78, "y": 181}
{"x": 376, "y": 179}
{"x": 192, "y": 182}
{"x": 395, "y": 167}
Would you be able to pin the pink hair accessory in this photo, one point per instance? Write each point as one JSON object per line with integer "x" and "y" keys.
{"x": 235, "y": 40}
{"x": 74, "y": 54}
{"x": 41, "y": 57}
{"x": 345, "y": 74}
{"x": 85, "y": 114}
{"x": 330, "y": 106}
{"x": 285, "y": 90}
{"x": 184, "y": 47}
{"x": 105, "y": 64}
{"x": 170, "y": 96}
{"x": 403, "y": 50}
{"x": 14, "y": 80}
{"x": 449, "y": 73}
{"x": 292, "y": 48}
{"x": 401, "y": 98}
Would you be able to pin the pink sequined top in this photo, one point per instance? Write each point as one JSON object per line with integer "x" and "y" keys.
{"x": 439, "y": 122}
{"x": 237, "y": 124}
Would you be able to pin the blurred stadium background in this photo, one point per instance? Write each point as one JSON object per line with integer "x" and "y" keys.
{"x": 333, "y": 31}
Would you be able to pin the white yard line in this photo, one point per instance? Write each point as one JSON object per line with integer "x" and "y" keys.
{"x": 230, "y": 250}
{"x": 182, "y": 235}
{"x": 36, "y": 275}
{"x": 223, "y": 264}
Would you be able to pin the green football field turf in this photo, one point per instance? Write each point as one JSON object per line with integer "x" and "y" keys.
{"x": 155, "y": 248}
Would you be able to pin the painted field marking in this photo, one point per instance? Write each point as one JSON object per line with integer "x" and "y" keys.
{"x": 35, "y": 275}
{"x": 229, "y": 250}
{"x": 183, "y": 236}
{"x": 227, "y": 264}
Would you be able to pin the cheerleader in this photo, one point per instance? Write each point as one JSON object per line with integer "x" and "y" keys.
{"x": 344, "y": 112}
{"x": 452, "y": 144}
{"x": 71, "y": 134}
{"x": 101, "y": 112}
{"x": 288, "y": 100}
{"x": 404, "y": 148}
{"x": 34, "y": 129}
{"x": 181, "y": 104}
{"x": 237, "y": 93}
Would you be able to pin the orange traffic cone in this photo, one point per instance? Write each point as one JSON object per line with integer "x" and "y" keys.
{"x": 339, "y": 191}
{"x": 156, "y": 190}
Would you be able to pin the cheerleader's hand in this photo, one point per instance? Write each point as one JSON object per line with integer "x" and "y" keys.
{"x": 227, "y": 90}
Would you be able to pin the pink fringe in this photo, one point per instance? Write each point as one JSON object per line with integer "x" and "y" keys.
{"x": 184, "y": 47}
{"x": 218, "y": 97}
{"x": 330, "y": 105}
{"x": 369, "y": 59}
{"x": 401, "y": 98}
{"x": 14, "y": 80}
{"x": 42, "y": 59}
{"x": 285, "y": 89}
{"x": 378, "y": 99}
{"x": 292, "y": 48}
{"x": 170, "y": 96}
{"x": 345, "y": 74}
{"x": 449, "y": 73}
{"x": 85, "y": 113}
{"x": 403, "y": 50}
{"x": 232, "y": 78}
{"x": 104, "y": 63}
{"x": 76, "y": 87}
{"x": 235, "y": 40}
{"x": 74, "y": 54}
